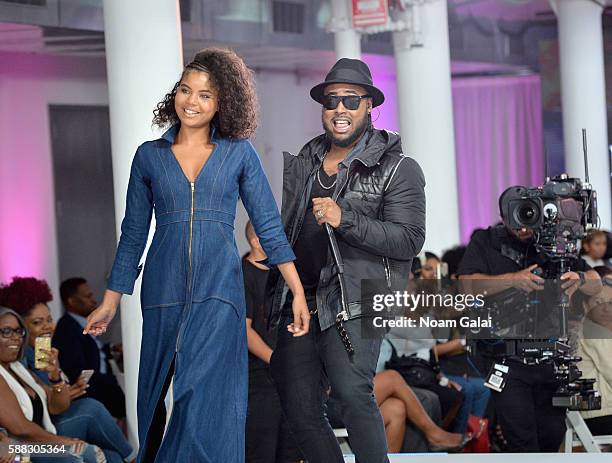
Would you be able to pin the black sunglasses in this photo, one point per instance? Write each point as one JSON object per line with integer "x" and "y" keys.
{"x": 8, "y": 332}
{"x": 350, "y": 102}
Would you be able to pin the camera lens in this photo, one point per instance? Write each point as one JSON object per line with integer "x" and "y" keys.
{"x": 527, "y": 214}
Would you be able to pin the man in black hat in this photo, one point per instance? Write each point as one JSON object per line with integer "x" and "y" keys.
{"x": 354, "y": 209}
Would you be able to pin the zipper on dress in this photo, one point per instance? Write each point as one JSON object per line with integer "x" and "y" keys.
{"x": 187, "y": 304}
{"x": 191, "y": 224}
{"x": 191, "y": 212}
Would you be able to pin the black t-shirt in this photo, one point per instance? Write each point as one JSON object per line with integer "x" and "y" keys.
{"x": 254, "y": 286}
{"x": 312, "y": 245}
{"x": 495, "y": 251}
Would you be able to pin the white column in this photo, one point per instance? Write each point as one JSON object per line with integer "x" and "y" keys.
{"x": 583, "y": 94}
{"x": 422, "y": 58}
{"x": 346, "y": 39}
{"x": 144, "y": 59}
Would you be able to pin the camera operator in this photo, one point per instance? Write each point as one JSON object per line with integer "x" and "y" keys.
{"x": 498, "y": 259}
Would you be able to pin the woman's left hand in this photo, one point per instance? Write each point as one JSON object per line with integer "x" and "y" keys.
{"x": 301, "y": 316}
{"x": 78, "y": 389}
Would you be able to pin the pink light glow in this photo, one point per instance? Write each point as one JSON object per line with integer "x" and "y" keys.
{"x": 26, "y": 190}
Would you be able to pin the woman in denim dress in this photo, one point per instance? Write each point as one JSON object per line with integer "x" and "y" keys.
{"x": 192, "y": 296}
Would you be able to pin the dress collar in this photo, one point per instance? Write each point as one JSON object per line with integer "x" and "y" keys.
{"x": 170, "y": 134}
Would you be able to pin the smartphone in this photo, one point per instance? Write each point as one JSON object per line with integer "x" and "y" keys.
{"x": 86, "y": 375}
{"x": 40, "y": 358}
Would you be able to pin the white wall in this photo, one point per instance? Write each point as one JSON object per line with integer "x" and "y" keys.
{"x": 28, "y": 84}
{"x": 288, "y": 119}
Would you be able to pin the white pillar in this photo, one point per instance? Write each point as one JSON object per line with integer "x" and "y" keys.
{"x": 347, "y": 40}
{"x": 144, "y": 59}
{"x": 422, "y": 58}
{"x": 583, "y": 95}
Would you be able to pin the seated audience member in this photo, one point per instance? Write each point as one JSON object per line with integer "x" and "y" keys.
{"x": 268, "y": 439}
{"x": 86, "y": 418}
{"x": 399, "y": 403}
{"x": 594, "y": 248}
{"x": 458, "y": 367}
{"x": 418, "y": 342}
{"x": 595, "y": 348}
{"x": 451, "y": 355}
{"x": 429, "y": 266}
{"x": 390, "y": 389}
{"x": 80, "y": 352}
{"x": 452, "y": 257}
{"x": 27, "y": 402}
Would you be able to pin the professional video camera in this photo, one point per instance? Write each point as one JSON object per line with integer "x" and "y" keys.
{"x": 559, "y": 212}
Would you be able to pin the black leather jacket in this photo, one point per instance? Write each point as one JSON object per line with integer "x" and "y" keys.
{"x": 381, "y": 194}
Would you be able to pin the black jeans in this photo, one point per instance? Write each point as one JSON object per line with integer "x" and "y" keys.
{"x": 268, "y": 439}
{"x": 305, "y": 368}
{"x": 524, "y": 410}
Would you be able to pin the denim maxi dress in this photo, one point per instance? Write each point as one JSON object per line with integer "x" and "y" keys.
{"x": 192, "y": 294}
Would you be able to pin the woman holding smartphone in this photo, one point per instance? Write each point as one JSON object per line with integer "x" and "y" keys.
{"x": 27, "y": 403}
{"x": 192, "y": 297}
{"x": 85, "y": 418}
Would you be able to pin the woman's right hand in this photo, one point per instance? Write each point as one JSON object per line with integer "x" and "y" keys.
{"x": 99, "y": 319}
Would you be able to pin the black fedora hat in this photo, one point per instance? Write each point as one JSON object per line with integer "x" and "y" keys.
{"x": 349, "y": 71}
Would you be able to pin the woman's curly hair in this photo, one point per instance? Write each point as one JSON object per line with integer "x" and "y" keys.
{"x": 23, "y": 293}
{"x": 238, "y": 107}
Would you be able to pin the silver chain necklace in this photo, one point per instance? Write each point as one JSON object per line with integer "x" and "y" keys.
{"x": 319, "y": 178}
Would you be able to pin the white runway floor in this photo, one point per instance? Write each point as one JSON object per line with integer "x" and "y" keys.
{"x": 496, "y": 458}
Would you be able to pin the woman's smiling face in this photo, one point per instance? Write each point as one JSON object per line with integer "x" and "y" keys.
{"x": 11, "y": 338}
{"x": 39, "y": 322}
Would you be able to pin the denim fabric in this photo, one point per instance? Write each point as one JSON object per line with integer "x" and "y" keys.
{"x": 88, "y": 420}
{"x": 88, "y": 456}
{"x": 475, "y": 400}
{"x": 194, "y": 312}
{"x": 305, "y": 368}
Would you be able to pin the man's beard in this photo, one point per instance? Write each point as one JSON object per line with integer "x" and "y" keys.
{"x": 344, "y": 142}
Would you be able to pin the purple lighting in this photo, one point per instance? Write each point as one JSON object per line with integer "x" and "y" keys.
{"x": 27, "y": 234}
{"x": 498, "y": 143}
{"x": 498, "y": 134}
